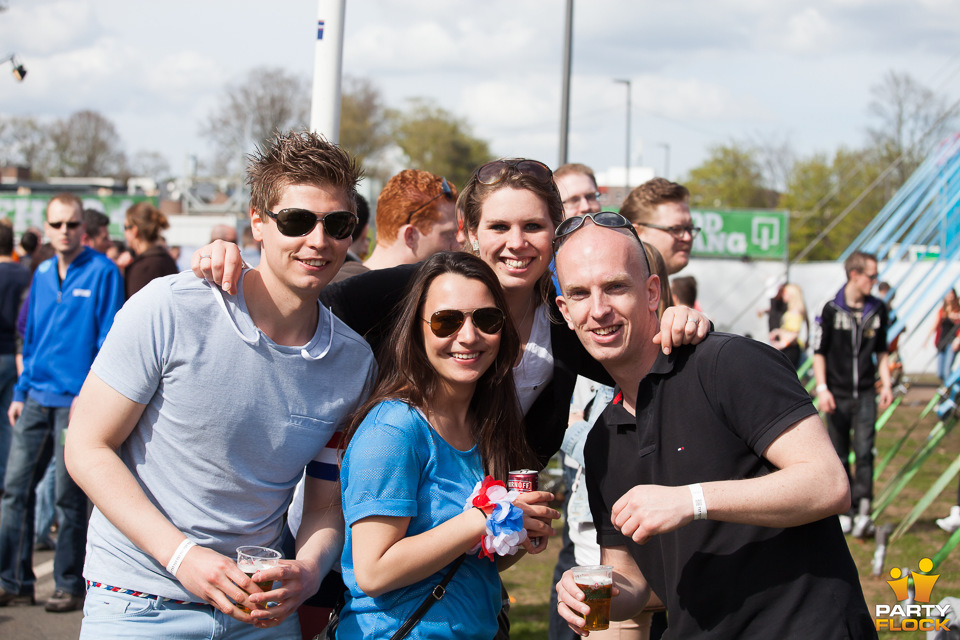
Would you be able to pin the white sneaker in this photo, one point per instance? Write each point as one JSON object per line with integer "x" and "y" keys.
{"x": 862, "y": 526}
{"x": 952, "y": 522}
{"x": 846, "y": 523}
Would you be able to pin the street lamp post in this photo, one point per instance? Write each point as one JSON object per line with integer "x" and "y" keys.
{"x": 627, "y": 164}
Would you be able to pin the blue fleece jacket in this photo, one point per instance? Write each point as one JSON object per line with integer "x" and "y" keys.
{"x": 66, "y": 324}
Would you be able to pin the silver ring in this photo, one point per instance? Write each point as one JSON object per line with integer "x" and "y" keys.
{"x": 688, "y": 321}
{"x": 205, "y": 255}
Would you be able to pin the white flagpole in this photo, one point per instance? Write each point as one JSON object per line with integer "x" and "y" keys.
{"x": 327, "y": 65}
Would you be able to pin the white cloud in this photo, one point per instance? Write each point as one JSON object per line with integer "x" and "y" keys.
{"x": 808, "y": 31}
{"x": 44, "y": 28}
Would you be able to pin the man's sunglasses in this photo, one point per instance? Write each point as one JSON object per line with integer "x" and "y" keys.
{"x": 495, "y": 171}
{"x": 73, "y": 224}
{"x": 446, "y": 322}
{"x": 445, "y": 191}
{"x": 607, "y": 219}
{"x": 299, "y": 222}
{"x": 675, "y": 231}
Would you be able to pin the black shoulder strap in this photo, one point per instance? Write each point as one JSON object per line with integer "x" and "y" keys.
{"x": 436, "y": 594}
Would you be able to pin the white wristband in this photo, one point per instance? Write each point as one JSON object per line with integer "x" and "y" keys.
{"x": 699, "y": 503}
{"x": 821, "y": 388}
{"x": 179, "y": 554}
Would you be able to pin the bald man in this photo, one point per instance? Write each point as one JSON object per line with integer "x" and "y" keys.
{"x": 712, "y": 481}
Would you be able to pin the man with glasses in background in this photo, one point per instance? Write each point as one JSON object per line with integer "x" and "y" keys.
{"x": 204, "y": 408}
{"x": 416, "y": 218}
{"x": 850, "y": 331}
{"x": 73, "y": 299}
{"x": 578, "y": 189}
{"x": 660, "y": 210}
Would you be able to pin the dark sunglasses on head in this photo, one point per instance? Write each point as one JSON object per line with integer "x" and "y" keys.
{"x": 300, "y": 222}
{"x": 446, "y": 322}
{"x": 494, "y": 172}
{"x": 607, "y": 219}
{"x": 445, "y": 191}
{"x": 73, "y": 224}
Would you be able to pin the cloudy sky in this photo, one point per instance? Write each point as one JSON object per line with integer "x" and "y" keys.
{"x": 703, "y": 72}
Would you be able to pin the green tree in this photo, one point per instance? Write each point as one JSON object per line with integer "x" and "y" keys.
{"x": 832, "y": 199}
{"x": 731, "y": 177}
{"x": 364, "y": 123}
{"x": 435, "y": 140}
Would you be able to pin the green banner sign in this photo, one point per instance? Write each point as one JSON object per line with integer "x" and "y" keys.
{"x": 27, "y": 211}
{"x": 754, "y": 234}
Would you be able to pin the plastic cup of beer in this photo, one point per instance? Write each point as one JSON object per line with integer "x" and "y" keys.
{"x": 596, "y": 583}
{"x": 251, "y": 559}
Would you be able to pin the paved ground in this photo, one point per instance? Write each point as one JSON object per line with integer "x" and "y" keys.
{"x": 33, "y": 623}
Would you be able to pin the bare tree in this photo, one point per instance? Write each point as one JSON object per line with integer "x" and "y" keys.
{"x": 86, "y": 144}
{"x": 912, "y": 119}
{"x": 24, "y": 141}
{"x": 250, "y": 111}
{"x": 151, "y": 164}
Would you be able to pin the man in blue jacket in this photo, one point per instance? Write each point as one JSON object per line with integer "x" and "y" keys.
{"x": 73, "y": 299}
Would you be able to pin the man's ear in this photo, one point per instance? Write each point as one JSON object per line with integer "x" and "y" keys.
{"x": 411, "y": 236}
{"x": 562, "y": 305}
{"x": 653, "y": 291}
{"x": 256, "y": 224}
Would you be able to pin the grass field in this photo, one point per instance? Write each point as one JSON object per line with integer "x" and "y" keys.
{"x": 529, "y": 582}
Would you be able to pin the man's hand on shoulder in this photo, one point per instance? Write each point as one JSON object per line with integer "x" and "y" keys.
{"x": 648, "y": 510}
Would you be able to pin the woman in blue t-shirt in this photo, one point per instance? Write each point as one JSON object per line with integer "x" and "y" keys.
{"x": 444, "y": 414}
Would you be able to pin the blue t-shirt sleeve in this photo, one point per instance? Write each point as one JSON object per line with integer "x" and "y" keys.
{"x": 133, "y": 354}
{"x": 381, "y": 470}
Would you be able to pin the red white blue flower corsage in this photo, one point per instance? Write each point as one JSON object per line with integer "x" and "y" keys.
{"x": 505, "y": 532}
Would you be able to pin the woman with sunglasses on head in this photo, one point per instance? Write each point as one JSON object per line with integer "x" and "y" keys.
{"x": 510, "y": 208}
{"x": 443, "y": 416}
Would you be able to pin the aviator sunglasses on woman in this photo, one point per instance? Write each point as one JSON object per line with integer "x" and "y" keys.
{"x": 299, "y": 222}
{"x": 446, "y": 322}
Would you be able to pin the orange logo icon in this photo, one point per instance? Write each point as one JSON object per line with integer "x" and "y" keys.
{"x": 922, "y": 584}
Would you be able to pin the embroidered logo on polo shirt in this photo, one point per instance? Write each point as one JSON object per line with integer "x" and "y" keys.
{"x": 81, "y": 293}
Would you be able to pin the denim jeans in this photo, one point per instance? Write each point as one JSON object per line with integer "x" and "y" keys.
{"x": 36, "y": 437}
{"x": 859, "y": 415}
{"x": 46, "y": 498}
{"x": 107, "y": 614}
{"x": 945, "y": 360}
{"x": 8, "y": 379}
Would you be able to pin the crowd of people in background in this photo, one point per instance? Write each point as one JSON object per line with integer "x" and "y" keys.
{"x": 397, "y": 366}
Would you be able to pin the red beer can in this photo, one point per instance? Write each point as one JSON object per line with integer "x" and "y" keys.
{"x": 523, "y": 480}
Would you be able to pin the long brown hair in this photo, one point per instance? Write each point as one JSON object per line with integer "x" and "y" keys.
{"x": 406, "y": 373}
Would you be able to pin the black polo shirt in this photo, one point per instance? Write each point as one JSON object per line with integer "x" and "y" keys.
{"x": 708, "y": 412}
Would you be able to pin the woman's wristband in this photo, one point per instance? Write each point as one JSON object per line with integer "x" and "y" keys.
{"x": 821, "y": 388}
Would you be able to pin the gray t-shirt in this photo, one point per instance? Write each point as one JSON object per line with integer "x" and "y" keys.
{"x": 231, "y": 420}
